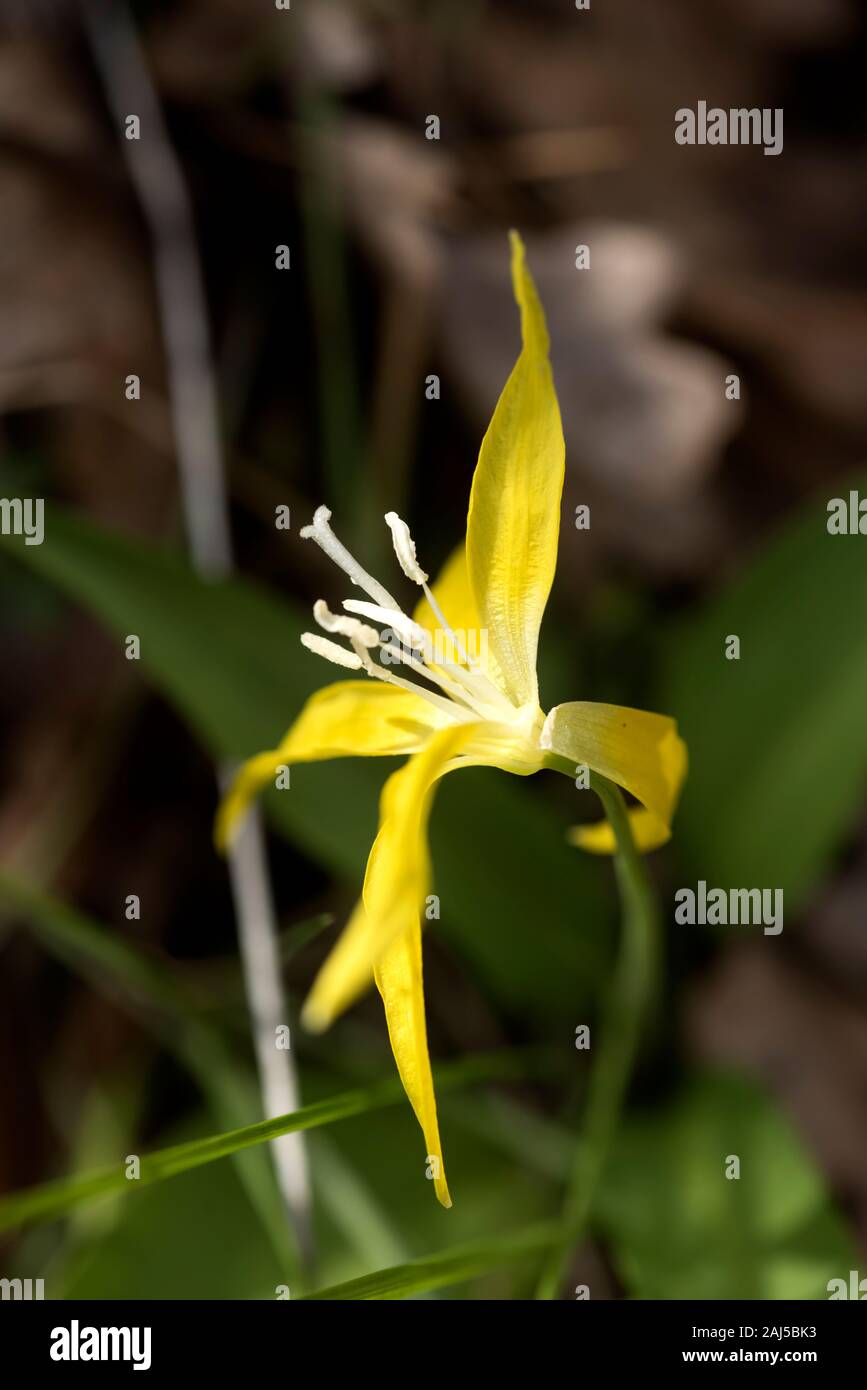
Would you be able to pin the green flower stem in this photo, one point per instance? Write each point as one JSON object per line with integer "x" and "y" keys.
{"x": 631, "y": 990}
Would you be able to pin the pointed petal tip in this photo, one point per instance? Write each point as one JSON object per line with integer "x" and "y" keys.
{"x": 315, "y": 1018}
{"x": 597, "y": 838}
{"x": 519, "y": 261}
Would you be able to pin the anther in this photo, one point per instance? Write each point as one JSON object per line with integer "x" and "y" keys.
{"x": 331, "y": 651}
{"x": 404, "y": 548}
{"x": 343, "y": 626}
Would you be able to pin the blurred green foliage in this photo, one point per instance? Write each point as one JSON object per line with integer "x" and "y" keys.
{"x": 681, "y": 1228}
{"x": 777, "y": 740}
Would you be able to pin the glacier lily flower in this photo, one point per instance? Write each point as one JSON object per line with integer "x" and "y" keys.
{"x": 455, "y": 686}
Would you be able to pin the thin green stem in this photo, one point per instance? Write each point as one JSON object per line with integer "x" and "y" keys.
{"x": 630, "y": 992}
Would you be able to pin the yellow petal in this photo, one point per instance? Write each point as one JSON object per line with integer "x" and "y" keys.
{"x": 641, "y": 752}
{"x": 514, "y": 517}
{"x": 453, "y": 593}
{"x": 648, "y": 832}
{"x": 396, "y": 882}
{"x": 399, "y": 980}
{"x": 382, "y": 939}
{"x": 347, "y": 719}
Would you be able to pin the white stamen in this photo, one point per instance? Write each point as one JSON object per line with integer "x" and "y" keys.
{"x": 343, "y": 626}
{"x": 473, "y": 686}
{"x": 400, "y": 656}
{"x": 331, "y": 651}
{"x": 408, "y": 631}
{"x": 459, "y": 713}
{"x": 322, "y": 534}
{"x": 404, "y": 548}
{"x": 443, "y": 622}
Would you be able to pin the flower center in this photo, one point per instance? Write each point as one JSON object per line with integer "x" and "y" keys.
{"x": 451, "y": 679}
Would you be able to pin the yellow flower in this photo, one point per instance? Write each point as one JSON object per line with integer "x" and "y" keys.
{"x": 455, "y": 686}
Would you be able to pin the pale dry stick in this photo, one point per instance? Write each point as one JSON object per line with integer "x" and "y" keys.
{"x": 159, "y": 184}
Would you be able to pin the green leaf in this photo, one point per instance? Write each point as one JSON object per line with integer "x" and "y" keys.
{"x": 446, "y": 1267}
{"x": 680, "y": 1228}
{"x": 52, "y": 1199}
{"x": 778, "y": 739}
{"x": 228, "y": 655}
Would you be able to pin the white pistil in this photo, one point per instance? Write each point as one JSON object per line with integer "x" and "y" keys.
{"x": 322, "y": 534}
{"x": 331, "y": 651}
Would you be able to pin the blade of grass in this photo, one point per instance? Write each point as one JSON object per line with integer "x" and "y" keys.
{"x": 163, "y": 1005}
{"x": 447, "y": 1267}
{"x": 173, "y": 1015}
{"x": 52, "y": 1199}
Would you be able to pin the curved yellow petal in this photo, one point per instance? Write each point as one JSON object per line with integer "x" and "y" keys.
{"x": 514, "y": 517}
{"x": 382, "y": 939}
{"x": 399, "y": 980}
{"x": 347, "y": 719}
{"x": 640, "y": 751}
{"x": 398, "y": 975}
{"x": 396, "y": 882}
